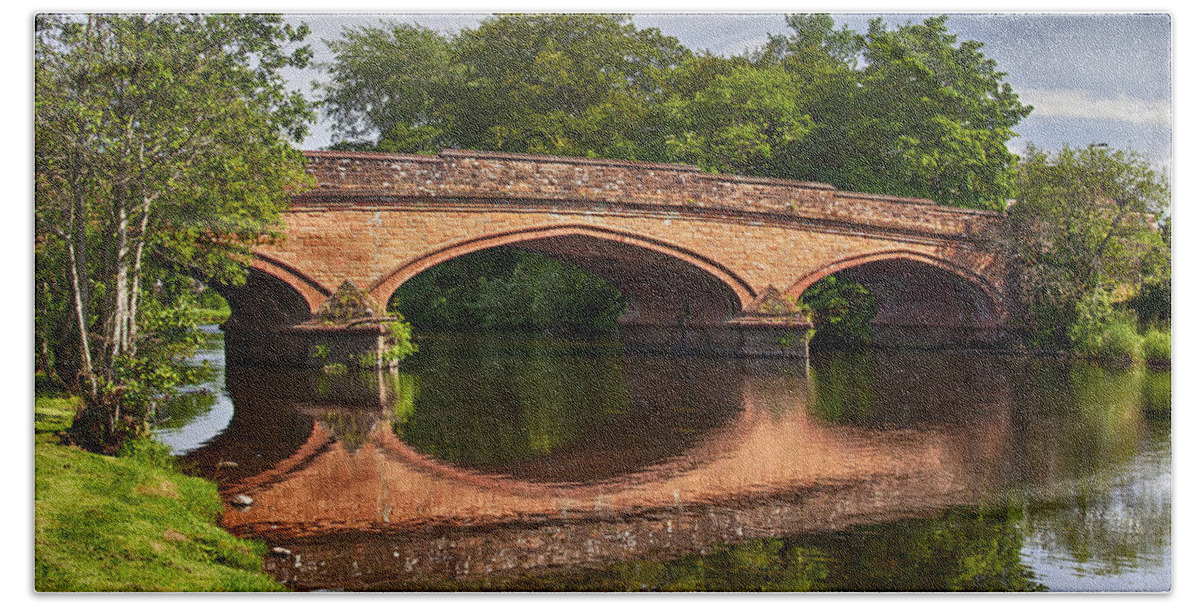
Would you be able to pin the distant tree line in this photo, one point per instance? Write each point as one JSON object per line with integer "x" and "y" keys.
{"x": 906, "y": 111}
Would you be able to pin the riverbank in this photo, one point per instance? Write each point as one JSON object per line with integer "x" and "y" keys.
{"x": 129, "y": 523}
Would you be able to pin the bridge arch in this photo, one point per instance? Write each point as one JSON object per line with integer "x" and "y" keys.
{"x": 312, "y": 292}
{"x": 797, "y": 289}
{"x": 661, "y": 281}
{"x": 918, "y": 292}
{"x": 264, "y": 302}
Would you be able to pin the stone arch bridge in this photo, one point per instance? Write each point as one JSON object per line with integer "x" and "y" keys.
{"x": 708, "y": 263}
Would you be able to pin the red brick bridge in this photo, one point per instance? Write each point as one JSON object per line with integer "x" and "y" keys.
{"x": 707, "y": 262}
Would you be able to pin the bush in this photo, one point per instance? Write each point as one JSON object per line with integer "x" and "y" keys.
{"x": 146, "y": 450}
{"x": 1116, "y": 340}
{"x": 1156, "y": 344}
{"x": 1100, "y": 332}
{"x": 400, "y": 341}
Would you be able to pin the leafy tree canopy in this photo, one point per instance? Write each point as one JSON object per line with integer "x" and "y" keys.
{"x": 1090, "y": 226}
{"x": 161, "y": 152}
{"x": 907, "y": 111}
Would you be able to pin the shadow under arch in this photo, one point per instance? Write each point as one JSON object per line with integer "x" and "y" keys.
{"x": 923, "y": 299}
{"x": 312, "y": 292}
{"x": 264, "y": 301}
{"x": 663, "y": 283}
{"x": 264, "y": 314}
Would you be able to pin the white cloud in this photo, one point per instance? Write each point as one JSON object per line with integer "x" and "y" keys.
{"x": 1075, "y": 103}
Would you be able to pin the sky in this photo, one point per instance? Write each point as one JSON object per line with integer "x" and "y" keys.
{"x": 1091, "y": 77}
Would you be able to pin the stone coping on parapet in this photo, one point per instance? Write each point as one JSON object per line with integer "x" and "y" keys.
{"x": 457, "y": 176}
{"x": 638, "y": 164}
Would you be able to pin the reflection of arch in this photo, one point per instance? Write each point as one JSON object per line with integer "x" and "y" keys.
{"x": 383, "y": 289}
{"x": 983, "y": 285}
{"x": 312, "y": 292}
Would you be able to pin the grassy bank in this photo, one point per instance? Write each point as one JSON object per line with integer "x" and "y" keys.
{"x": 1119, "y": 339}
{"x": 129, "y": 523}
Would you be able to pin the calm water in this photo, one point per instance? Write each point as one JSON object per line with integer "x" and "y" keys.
{"x": 506, "y": 462}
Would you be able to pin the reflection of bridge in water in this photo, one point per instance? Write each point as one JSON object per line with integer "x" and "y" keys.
{"x": 334, "y": 484}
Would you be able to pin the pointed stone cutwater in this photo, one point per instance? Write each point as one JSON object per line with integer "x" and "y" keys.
{"x": 349, "y": 305}
{"x": 773, "y": 325}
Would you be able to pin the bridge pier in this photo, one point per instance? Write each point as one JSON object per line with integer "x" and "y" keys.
{"x": 308, "y": 346}
{"x": 729, "y": 340}
{"x": 772, "y": 326}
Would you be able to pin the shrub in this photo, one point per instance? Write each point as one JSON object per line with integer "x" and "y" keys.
{"x": 1100, "y": 332}
{"x": 1156, "y": 344}
{"x": 400, "y": 342}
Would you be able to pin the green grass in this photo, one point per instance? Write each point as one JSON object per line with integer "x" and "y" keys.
{"x": 1114, "y": 340}
{"x": 128, "y": 523}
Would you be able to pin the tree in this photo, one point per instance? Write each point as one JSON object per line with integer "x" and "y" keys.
{"x": 933, "y": 118}
{"x": 743, "y": 121}
{"x": 571, "y": 84}
{"x": 161, "y": 152}
{"x": 910, "y": 111}
{"x": 393, "y": 82}
{"x": 1088, "y": 227}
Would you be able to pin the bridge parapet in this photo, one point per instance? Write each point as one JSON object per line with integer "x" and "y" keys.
{"x": 470, "y": 179}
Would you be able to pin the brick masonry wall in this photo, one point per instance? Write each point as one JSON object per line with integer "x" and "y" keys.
{"x": 379, "y": 219}
{"x": 351, "y": 177}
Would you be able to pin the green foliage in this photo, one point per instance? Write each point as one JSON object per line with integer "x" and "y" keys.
{"x": 1156, "y": 344}
{"x": 391, "y": 78}
{"x": 909, "y": 111}
{"x": 161, "y": 152}
{"x": 147, "y": 451}
{"x": 321, "y": 352}
{"x": 560, "y": 84}
{"x": 842, "y": 310}
{"x": 940, "y": 115}
{"x": 507, "y": 288}
{"x": 743, "y": 121}
{"x": 1087, "y": 226}
{"x": 400, "y": 342}
{"x": 1153, "y": 302}
{"x": 1101, "y": 332}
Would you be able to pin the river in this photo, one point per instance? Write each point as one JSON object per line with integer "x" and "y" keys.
{"x": 518, "y": 462}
